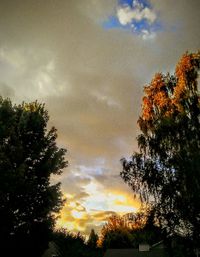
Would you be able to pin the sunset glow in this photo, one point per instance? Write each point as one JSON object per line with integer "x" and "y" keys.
{"x": 95, "y": 209}
{"x": 88, "y": 62}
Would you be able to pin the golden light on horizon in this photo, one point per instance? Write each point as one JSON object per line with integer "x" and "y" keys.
{"x": 77, "y": 214}
{"x": 95, "y": 208}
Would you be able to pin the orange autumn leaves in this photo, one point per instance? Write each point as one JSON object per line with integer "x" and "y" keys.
{"x": 156, "y": 97}
{"x": 124, "y": 225}
{"x": 165, "y": 94}
{"x": 186, "y": 73}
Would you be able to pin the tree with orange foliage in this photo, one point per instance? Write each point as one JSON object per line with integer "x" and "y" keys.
{"x": 123, "y": 232}
{"x": 166, "y": 171}
{"x": 115, "y": 234}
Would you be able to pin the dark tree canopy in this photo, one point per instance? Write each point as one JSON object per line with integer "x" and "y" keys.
{"x": 28, "y": 157}
{"x": 121, "y": 232}
{"x": 166, "y": 171}
{"x": 115, "y": 234}
{"x": 92, "y": 240}
{"x": 73, "y": 245}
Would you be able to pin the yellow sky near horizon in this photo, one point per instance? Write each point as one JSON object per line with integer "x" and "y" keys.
{"x": 95, "y": 209}
{"x": 90, "y": 74}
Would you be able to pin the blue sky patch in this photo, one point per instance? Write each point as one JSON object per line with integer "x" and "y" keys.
{"x": 137, "y": 16}
{"x": 130, "y": 3}
{"x": 111, "y": 23}
{"x": 125, "y": 2}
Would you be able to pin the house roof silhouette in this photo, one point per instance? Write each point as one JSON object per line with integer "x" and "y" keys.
{"x": 156, "y": 250}
{"x": 134, "y": 253}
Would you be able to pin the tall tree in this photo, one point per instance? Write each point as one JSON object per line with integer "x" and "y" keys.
{"x": 73, "y": 245}
{"x": 166, "y": 171}
{"x": 28, "y": 157}
{"x": 92, "y": 240}
{"x": 115, "y": 234}
{"x": 129, "y": 230}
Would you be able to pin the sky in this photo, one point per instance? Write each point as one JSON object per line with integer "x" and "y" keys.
{"x": 88, "y": 61}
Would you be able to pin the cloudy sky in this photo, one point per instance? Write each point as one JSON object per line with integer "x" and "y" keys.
{"x": 88, "y": 60}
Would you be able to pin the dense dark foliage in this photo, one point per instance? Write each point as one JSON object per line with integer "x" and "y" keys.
{"x": 28, "y": 158}
{"x": 92, "y": 240}
{"x": 118, "y": 232}
{"x": 166, "y": 171}
{"x": 74, "y": 245}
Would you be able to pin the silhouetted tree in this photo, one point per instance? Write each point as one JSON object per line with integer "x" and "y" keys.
{"x": 28, "y": 157}
{"x": 118, "y": 238}
{"x": 166, "y": 171}
{"x": 73, "y": 245}
{"x": 93, "y": 238}
{"x": 145, "y": 230}
{"x": 115, "y": 234}
{"x": 69, "y": 244}
{"x": 119, "y": 232}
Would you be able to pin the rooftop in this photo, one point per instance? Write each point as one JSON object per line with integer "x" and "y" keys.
{"x": 134, "y": 253}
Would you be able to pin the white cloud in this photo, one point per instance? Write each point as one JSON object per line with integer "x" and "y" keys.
{"x": 149, "y": 15}
{"x": 67, "y": 45}
{"x": 13, "y": 58}
{"x": 105, "y": 99}
{"x": 127, "y": 15}
{"x": 147, "y": 34}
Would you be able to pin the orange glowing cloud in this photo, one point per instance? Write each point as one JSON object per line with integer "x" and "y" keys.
{"x": 95, "y": 209}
